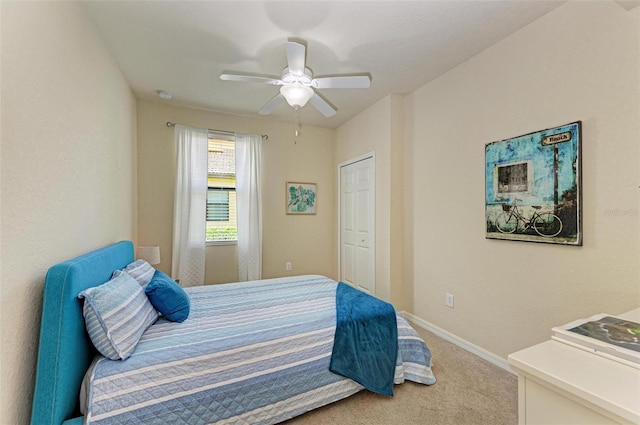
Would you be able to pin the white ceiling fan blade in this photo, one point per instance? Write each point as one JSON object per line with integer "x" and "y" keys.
{"x": 321, "y": 105}
{"x": 344, "y": 82}
{"x": 252, "y": 79}
{"x": 295, "y": 57}
{"x": 271, "y": 105}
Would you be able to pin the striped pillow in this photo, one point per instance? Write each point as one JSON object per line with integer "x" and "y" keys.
{"x": 116, "y": 314}
{"x": 140, "y": 270}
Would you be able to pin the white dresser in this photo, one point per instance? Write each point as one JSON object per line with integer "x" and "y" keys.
{"x": 563, "y": 385}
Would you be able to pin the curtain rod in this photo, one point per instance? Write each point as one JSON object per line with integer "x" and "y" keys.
{"x": 229, "y": 133}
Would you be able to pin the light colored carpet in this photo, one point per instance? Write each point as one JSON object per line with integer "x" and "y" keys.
{"x": 468, "y": 391}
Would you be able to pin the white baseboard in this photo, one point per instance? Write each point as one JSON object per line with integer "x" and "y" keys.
{"x": 460, "y": 342}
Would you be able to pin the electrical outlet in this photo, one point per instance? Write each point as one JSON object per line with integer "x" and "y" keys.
{"x": 287, "y": 266}
{"x": 449, "y": 300}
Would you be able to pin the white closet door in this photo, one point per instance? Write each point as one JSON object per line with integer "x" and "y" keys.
{"x": 357, "y": 224}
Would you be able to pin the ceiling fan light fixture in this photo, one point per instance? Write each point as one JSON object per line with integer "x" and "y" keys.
{"x": 296, "y": 94}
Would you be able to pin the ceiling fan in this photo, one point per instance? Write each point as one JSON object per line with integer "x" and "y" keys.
{"x": 297, "y": 85}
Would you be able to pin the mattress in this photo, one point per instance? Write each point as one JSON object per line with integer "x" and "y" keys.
{"x": 250, "y": 353}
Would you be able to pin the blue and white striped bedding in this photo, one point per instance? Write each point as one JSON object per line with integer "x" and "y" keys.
{"x": 252, "y": 352}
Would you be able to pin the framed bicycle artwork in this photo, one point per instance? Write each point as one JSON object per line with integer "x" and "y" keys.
{"x": 533, "y": 187}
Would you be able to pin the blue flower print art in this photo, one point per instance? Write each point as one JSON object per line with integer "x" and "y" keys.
{"x": 301, "y": 198}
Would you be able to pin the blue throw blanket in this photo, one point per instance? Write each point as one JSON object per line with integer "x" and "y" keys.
{"x": 365, "y": 347}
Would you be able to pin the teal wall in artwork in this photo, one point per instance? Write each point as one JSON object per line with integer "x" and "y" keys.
{"x": 529, "y": 148}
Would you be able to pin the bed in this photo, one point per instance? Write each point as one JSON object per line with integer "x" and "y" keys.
{"x": 272, "y": 343}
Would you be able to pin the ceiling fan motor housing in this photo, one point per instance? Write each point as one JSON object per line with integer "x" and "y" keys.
{"x": 292, "y": 77}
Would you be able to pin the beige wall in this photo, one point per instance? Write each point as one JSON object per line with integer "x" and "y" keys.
{"x": 305, "y": 241}
{"x": 371, "y": 131}
{"x": 396, "y": 204}
{"x": 67, "y": 169}
{"x": 580, "y": 62}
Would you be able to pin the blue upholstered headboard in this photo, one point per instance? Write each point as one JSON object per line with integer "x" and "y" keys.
{"x": 65, "y": 350}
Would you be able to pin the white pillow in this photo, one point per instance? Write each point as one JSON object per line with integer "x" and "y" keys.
{"x": 140, "y": 270}
{"x": 116, "y": 314}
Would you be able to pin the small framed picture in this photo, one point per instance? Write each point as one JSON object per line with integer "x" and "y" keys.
{"x": 301, "y": 198}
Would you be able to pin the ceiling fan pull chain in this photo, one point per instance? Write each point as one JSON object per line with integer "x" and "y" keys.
{"x": 296, "y": 133}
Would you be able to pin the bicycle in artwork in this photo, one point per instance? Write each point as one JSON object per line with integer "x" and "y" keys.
{"x": 511, "y": 220}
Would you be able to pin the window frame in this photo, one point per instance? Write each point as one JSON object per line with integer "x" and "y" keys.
{"x": 509, "y": 192}
{"x": 224, "y": 139}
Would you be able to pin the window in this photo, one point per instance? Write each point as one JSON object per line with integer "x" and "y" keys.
{"x": 515, "y": 179}
{"x": 218, "y": 204}
{"x": 221, "y": 193}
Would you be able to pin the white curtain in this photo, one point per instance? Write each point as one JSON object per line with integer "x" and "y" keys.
{"x": 249, "y": 205}
{"x": 190, "y": 205}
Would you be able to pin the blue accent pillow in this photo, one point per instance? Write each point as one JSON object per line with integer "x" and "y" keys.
{"x": 168, "y": 297}
{"x": 116, "y": 315}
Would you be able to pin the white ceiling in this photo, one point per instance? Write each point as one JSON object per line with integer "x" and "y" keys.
{"x": 183, "y": 46}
